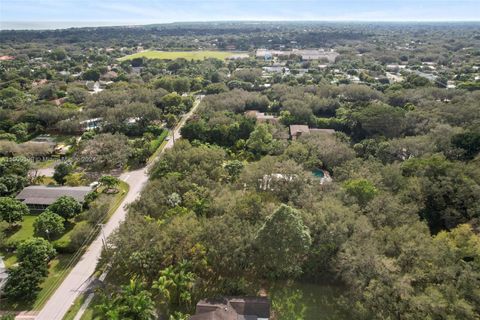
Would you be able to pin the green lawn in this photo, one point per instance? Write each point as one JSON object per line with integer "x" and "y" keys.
{"x": 172, "y": 55}
{"x": 25, "y": 231}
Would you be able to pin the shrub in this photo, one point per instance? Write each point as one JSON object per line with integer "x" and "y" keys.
{"x": 78, "y": 236}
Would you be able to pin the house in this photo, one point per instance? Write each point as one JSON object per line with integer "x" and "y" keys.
{"x": 247, "y": 308}
{"x": 91, "y": 124}
{"x": 296, "y": 130}
{"x": 269, "y": 181}
{"x": 316, "y": 54}
{"x": 261, "y": 117}
{"x": 109, "y": 75}
{"x": 58, "y": 102}
{"x": 276, "y": 69}
{"x": 38, "y": 198}
{"x": 39, "y": 82}
{"x": 305, "y": 54}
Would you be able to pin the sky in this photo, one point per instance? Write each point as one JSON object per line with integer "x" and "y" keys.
{"x": 35, "y": 14}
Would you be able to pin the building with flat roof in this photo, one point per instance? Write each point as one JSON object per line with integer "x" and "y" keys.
{"x": 38, "y": 198}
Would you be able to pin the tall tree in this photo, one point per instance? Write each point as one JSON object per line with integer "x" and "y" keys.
{"x": 61, "y": 171}
{"x": 66, "y": 207}
{"x": 281, "y": 244}
{"x": 12, "y": 210}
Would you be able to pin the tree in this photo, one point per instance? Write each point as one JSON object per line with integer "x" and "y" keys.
{"x": 132, "y": 302}
{"x": 22, "y": 283}
{"x": 169, "y": 103}
{"x": 448, "y": 192}
{"x": 109, "y": 182}
{"x": 216, "y": 88}
{"x": 171, "y": 120}
{"x": 20, "y": 130}
{"x": 91, "y": 74}
{"x": 49, "y": 225}
{"x": 11, "y": 98}
{"x": 324, "y": 150}
{"x": 79, "y": 236}
{"x": 361, "y": 189}
{"x": 233, "y": 168}
{"x": 260, "y": 140}
{"x": 12, "y": 210}
{"x": 66, "y": 207}
{"x": 288, "y": 304}
{"x": 97, "y": 211}
{"x": 281, "y": 244}
{"x": 104, "y": 152}
{"x": 175, "y": 285}
{"x": 75, "y": 179}
{"x": 13, "y": 174}
{"x": 468, "y": 141}
{"x": 379, "y": 118}
{"x": 77, "y": 95}
{"x": 61, "y": 171}
{"x": 36, "y": 251}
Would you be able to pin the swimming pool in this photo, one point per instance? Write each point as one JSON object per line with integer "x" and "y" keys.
{"x": 318, "y": 173}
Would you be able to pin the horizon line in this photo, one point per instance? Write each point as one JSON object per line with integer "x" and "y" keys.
{"x": 114, "y": 23}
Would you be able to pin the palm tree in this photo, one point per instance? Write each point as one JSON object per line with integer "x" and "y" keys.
{"x": 175, "y": 284}
{"x": 132, "y": 302}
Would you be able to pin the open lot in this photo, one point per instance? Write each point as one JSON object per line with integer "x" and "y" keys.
{"x": 171, "y": 55}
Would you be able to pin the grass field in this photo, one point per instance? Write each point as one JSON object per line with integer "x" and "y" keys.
{"x": 172, "y": 55}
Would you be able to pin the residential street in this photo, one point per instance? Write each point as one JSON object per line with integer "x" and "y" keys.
{"x": 79, "y": 278}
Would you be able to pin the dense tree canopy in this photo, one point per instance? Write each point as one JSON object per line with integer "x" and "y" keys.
{"x": 12, "y": 210}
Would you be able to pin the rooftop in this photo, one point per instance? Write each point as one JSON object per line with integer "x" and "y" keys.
{"x": 296, "y": 129}
{"x": 241, "y": 308}
{"x": 46, "y": 195}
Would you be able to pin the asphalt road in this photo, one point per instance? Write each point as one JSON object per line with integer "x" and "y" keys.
{"x": 79, "y": 278}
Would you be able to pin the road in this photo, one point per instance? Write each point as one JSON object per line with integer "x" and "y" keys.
{"x": 79, "y": 278}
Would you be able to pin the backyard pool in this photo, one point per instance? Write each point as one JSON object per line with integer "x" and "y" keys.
{"x": 318, "y": 173}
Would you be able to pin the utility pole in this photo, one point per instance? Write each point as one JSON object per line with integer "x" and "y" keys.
{"x": 104, "y": 240}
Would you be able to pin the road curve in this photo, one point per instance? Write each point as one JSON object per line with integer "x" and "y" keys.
{"x": 79, "y": 278}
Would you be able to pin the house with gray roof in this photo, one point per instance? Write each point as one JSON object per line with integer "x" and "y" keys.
{"x": 38, "y": 198}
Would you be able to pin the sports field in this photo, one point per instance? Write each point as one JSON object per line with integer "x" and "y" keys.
{"x": 189, "y": 55}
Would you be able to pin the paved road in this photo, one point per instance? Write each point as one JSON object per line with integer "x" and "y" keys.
{"x": 79, "y": 278}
